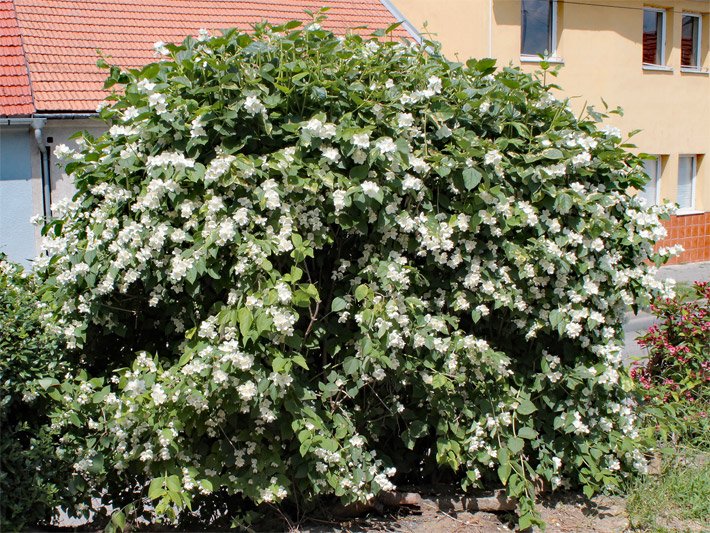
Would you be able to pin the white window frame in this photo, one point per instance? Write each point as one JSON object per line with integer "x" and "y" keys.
{"x": 693, "y": 182}
{"x": 552, "y": 56}
{"x": 657, "y": 199}
{"x": 662, "y": 65}
{"x": 699, "y": 47}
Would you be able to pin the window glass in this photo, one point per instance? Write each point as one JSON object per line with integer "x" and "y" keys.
{"x": 690, "y": 41}
{"x": 650, "y": 192}
{"x": 653, "y": 37}
{"x": 536, "y": 28}
{"x": 686, "y": 177}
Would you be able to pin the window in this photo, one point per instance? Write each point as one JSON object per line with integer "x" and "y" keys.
{"x": 650, "y": 192}
{"x": 654, "y": 36}
{"x": 538, "y": 28}
{"x": 686, "y": 181}
{"x": 690, "y": 42}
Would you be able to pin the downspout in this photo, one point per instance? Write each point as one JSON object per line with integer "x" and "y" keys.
{"x": 44, "y": 162}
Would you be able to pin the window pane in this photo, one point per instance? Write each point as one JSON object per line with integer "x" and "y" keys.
{"x": 689, "y": 42}
{"x": 536, "y": 27}
{"x": 685, "y": 181}
{"x": 652, "y": 37}
{"x": 649, "y": 193}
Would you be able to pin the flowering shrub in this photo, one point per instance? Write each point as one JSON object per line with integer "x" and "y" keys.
{"x": 30, "y": 362}
{"x": 301, "y": 264}
{"x": 676, "y": 374}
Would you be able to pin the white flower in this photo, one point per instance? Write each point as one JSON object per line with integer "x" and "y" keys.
{"x": 611, "y": 131}
{"x": 271, "y": 195}
{"x": 331, "y": 154}
{"x": 386, "y": 145}
{"x": 357, "y": 441}
{"x": 283, "y": 292}
{"x": 410, "y": 182}
{"x": 316, "y": 128}
{"x": 158, "y": 394}
{"x": 434, "y": 84}
{"x": 361, "y": 140}
{"x": 159, "y": 102}
{"x": 176, "y": 160}
{"x": 493, "y": 158}
{"x": 145, "y": 86}
{"x": 247, "y": 391}
{"x": 419, "y": 165}
{"x": 218, "y": 167}
{"x": 253, "y": 105}
{"x": 160, "y": 48}
{"x": 197, "y": 128}
{"x": 339, "y": 200}
{"x": 370, "y": 188}
{"x": 63, "y": 152}
{"x": 359, "y": 157}
{"x": 579, "y": 426}
{"x": 405, "y": 120}
{"x": 130, "y": 113}
{"x": 581, "y": 160}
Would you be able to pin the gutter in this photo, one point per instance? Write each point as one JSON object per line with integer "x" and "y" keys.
{"x": 65, "y": 116}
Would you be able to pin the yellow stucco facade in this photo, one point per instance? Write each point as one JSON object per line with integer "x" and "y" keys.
{"x": 600, "y": 47}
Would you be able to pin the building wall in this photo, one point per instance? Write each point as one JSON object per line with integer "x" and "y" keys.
{"x": 17, "y": 236}
{"x": 599, "y": 45}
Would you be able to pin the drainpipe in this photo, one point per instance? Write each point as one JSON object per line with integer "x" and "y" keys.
{"x": 44, "y": 163}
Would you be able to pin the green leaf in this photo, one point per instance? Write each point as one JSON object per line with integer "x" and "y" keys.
{"x": 174, "y": 483}
{"x": 527, "y": 433}
{"x": 245, "y": 320}
{"x": 156, "y": 490}
{"x": 526, "y": 407}
{"x": 351, "y": 365}
{"x": 504, "y": 473}
{"x": 338, "y": 305}
{"x": 471, "y": 178}
{"x": 118, "y": 519}
{"x": 361, "y": 292}
{"x": 300, "y": 361}
{"x": 553, "y": 153}
{"x": 45, "y": 383}
{"x": 515, "y": 445}
{"x": 359, "y": 172}
{"x": 279, "y": 364}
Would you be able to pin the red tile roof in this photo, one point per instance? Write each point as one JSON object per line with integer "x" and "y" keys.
{"x": 15, "y": 93}
{"x": 55, "y": 42}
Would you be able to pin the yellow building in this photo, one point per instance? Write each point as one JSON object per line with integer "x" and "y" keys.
{"x": 650, "y": 58}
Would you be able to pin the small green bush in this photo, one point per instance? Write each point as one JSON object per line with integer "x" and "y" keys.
{"x": 305, "y": 265}
{"x": 30, "y": 363}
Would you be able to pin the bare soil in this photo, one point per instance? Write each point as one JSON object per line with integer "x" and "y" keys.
{"x": 565, "y": 513}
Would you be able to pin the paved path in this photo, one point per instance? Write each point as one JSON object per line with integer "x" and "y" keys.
{"x": 637, "y": 325}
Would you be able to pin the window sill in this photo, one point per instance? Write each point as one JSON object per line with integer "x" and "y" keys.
{"x": 537, "y": 59}
{"x": 691, "y": 70}
{"x": 687, "y": 211}
{"x": 658, "y": 68}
